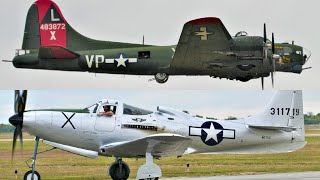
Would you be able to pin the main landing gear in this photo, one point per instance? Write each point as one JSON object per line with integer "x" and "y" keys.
{"x": 33, "y": 174}
{"x": 119, "y": 170}
{"x": 149, "y": 171}
{"x": 161, "y": 77}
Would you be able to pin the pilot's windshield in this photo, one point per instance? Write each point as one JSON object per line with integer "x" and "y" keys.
{"x": 92, "y": 108}
{"x": 130, "y": 110}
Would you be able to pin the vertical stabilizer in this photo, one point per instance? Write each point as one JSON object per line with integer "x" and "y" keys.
{"x": 284, "y": 112}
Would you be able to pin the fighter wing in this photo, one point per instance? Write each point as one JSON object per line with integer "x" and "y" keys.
{"x": 158, "y": 145}
{"x": 199, "y": 39}
{"x": 74, "y": 150}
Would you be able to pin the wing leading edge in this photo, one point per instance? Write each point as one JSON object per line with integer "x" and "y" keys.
{"x": 158, "y": 145}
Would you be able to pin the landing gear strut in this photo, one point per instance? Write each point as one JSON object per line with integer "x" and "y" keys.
{"x": 119, "y": 170}
{"x": 149, "y": 170}
{"x": 161, "y": 77}
{"x": 33, "y": 174}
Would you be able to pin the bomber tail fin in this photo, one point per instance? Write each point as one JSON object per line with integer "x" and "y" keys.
{"x": 284, "y": 112}
{"x": 46, "y": 26}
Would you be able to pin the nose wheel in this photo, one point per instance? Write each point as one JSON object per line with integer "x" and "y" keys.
{"x": 161, "y": 77}
{"x": 28, "y": 175}
{"x": 119, "y": 170}
{"x": 33, "y": 174}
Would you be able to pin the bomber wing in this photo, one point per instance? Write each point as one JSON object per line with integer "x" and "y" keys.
{"x": 199, "y": 39}
{"x": 158, "y": 145}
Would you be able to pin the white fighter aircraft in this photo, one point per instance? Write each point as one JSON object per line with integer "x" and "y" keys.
{"x": 113, "y": 128}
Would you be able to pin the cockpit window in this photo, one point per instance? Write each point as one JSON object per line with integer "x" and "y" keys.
{"x": 287, "y": 51}
{"x": 107, "y": 110}
{"x": 92, "y": 108}
{"x": 130, "y": 110}
{"x": 298, "y": 52}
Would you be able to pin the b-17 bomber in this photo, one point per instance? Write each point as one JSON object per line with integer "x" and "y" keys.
{"x": 205, "y": 48}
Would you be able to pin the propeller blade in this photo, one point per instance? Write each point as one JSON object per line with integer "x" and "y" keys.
{"x": 16, "y": 101}
{"x": 273, "y": 49}
{"x": 272, "y": 79}
{"x": 20, "y": 135}
{"x": 17, "y": 133}
{"x": 20, "y": 99}
{"x": 23, "y": 101}
{"x": 14, "y": 141}
{"x": 262, "y": 83}
{"x": 265, "y": 33}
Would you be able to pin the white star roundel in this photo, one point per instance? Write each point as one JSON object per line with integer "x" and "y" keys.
{"x": 211, "y": 133}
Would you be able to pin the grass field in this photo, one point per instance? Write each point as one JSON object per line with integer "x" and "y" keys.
{"x": 61, "y": 165}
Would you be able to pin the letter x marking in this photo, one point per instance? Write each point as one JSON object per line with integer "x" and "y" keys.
{"x": 53, "y": 35}
{"x": 68, "y": 120}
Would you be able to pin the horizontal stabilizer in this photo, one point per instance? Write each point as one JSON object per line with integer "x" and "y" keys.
{"x": 56, "y": 52}
{"x": 284, "y": 128}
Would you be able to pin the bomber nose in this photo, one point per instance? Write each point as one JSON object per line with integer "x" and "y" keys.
{"x": 306, "y": 55}
{"x": 16, "y": 120}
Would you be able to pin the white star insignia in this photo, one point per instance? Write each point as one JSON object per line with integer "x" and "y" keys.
{"x": 212, "y": 133}
{"x": 121, "y": 61}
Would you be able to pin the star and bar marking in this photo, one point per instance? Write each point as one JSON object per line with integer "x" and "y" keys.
{"x": 120, "y": 60}
{"x": 211, "y": 133}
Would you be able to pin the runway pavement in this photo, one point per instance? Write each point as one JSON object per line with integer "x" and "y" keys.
{"x": 283, "y": 176}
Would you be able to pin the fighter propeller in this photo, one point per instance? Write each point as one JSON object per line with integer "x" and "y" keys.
{"x": 17, "y": 119}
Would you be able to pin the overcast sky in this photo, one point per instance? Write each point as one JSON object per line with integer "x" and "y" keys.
{"x": 219, "y": 104}
{"x": 161, "y": 22}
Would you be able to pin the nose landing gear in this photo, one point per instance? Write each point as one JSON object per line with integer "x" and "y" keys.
{"x": 33, "y": 174}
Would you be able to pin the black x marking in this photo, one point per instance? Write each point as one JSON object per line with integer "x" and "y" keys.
{"x": 68, "y": 120}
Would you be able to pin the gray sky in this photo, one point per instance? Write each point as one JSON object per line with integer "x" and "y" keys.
{"x": 218, "y": 103}
{"x": 161, "y": 22}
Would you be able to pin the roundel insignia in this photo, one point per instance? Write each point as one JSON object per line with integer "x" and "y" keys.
{"x": 122, "y": 60}
{"x": 212, "y": 133}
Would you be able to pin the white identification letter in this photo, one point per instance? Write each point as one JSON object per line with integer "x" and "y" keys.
{"x": 53, "y": 19}
{"x": 53, "y": 35}
{"x": 89, "y": 61}
{"x": 99, "y": 60}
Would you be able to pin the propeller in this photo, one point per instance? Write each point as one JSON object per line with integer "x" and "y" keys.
{"x": 272, "y": 57}
{"x": 265, "y": 50}
{"x": 20, "y": 99}
{"x": 273, "y": 61}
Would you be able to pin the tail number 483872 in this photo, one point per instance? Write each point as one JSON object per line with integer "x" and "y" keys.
{"x": 284, "y": 111}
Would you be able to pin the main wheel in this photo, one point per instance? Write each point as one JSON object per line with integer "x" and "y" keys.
{"x": 119, "y": 174}
{"x": 161, "y": 77}
{"x": 36, "y": 176}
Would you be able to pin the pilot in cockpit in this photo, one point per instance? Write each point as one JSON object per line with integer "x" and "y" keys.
{"x": 107, "y": 111}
